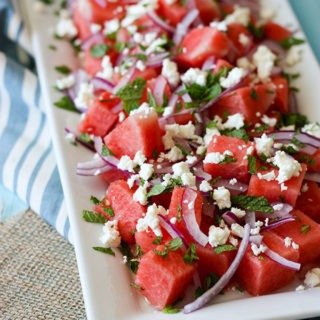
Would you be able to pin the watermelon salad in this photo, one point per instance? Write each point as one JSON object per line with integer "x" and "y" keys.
{"x": 212, "y": 176}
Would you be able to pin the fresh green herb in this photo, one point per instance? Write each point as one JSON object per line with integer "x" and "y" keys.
{"x": 228, "y": 159}
{"x": 175, "y": 244}
{"x": 257, "y": 32}
{"x": 109, "y": 211}
{"x": 212, "y": 124}
{"x": 52, "y": 47}
{"x": 93, "y": 217}
{"x": 99, "y": 50}
{"x": 306, "y": 159}
{"x": 157, "y": 240}
{"x": 190, "y": 255}
{"x": 179, "y": 213}
{"x": 155, "y": 153}
{"x": 236, "y": 133}
{"x": 136, "y": 286}
{"x": 163, "y": 253}
{"x": 170, "y": 309}
{"x": 254, "y": 94}
{"x": 86, "y": 138}
{"x": 152, "y": 102}
{"x": 132, "y": 261}
{"x": 183, "y": 150}
{"x": 112, "y": 36}
{"x": 131, "y": 94}
{"x": 156, "y": 190}
{"x": 290, "y": 76}
{"x": 252, "y": 203}
{"x": 297, "y": 142}
{"x": 296, "y": 119}
{"x": 210, "y": 281}
{"x": 139, "y": 251}
{"x": 63, "y": 69}
{"x": 252, "y": 162}
{"x": 47, "y": 2}
{"x": 141, "y": 56}
{"x": 95, "y": 200}
{"x": 119, "y": 46}
{"x": 290, "y": 42}
{"x": 261, "y": 128}
{"x": 104, "y": 250}
{"x": 66, "y": 103}
{"x": 106, "y": 152}
{"x": 224, "y": 248}
{"x": 305, "y": 228}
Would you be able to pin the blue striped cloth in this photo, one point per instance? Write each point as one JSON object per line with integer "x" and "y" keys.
{"x": 27, "y": 164}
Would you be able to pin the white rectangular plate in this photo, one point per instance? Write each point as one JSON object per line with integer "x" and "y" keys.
{"x": 105, "y": 279}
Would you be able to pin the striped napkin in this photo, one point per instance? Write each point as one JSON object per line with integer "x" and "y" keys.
{"x": 27, "y": 163}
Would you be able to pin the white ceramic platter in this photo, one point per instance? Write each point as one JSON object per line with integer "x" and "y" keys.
{"x": 105, "y": 279}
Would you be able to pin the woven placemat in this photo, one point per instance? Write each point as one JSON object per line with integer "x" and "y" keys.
{"x": 38, "y": 272}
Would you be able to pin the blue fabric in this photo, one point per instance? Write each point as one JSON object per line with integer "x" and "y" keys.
{"x": 28, "y": 173}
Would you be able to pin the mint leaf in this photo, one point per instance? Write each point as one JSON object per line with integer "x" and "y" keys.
{"x": 305, "y": 228}
{"x": 104, "y": 250}
{"x": 106, "y": 152}
{"x": 157, "y": 240}
{"x": 95, "y": 200}
{"x": 252, "y": 162}
{"x": 290, "y": 42}
{"x": 252, "y": 203}
{"x": 63, "y": 69}
{"x": 67, "y": 104}
{"x": 136, "y": 286}
{"x": 131, "y": 94}
{"x": 296, "y": 119}
{"x": 253, "y": 94}
{"x": 228, "y": 159}
{"x": 99, "y": 50}
{"x": 191, "y": 255}
{"x": 224, "y": 248}
{"x": 156, "y": 190}
{"x": 175, "y": 244}
{"x": 170, "y": 309}
{"x": 93, "y": 217}
{"x": 163, "y": 253}
{"x": 236, "y": 133}
{"x": 109, "y": 211}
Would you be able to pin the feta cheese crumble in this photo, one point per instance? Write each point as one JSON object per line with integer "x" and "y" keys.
{"x": 221, "y": 195}
{"x": 264, "y": 60}
{"x": 195, "y": 75}
{"x": 111, "y": 236}
{"x": 218, "y": 236}
{"x": 312, "y": 278}
{"x": 234, "y": 77}
{"x": 170, "y": 72}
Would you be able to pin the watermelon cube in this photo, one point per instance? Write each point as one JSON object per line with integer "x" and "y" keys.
{"x": 261, "y": 275}
{"x": 239, "y": 167}
{"x": 309, "y": 200}
{"x": 252, "y": 102}
{"x": 126, "y": 210}
{"x": 163, "y": 280}
{"x": 274, "y": 191}
{"x": 134, "y": 134}
{"x": 99, "y": 118}
{"x": 146, "y": 239}
{"x": 306, "y": 233}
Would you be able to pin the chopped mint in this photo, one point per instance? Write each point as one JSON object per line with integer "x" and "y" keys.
{"x": 99, "y": 50}
{"x": 291, "y": 41}
{"x": 224, "y": 248}
{"x": 63, "y": 69}
{"x": 66, "y": 103}
{"x": 93, "y": 217}
{"x": 104, "y": 250}
{"x": 252, "y": 203}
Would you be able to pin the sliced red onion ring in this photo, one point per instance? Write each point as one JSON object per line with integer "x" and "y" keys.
{"x": 159, "y": 22}
{"x": 183, "y": 26}
{"x": 158, "y": 91}
{"x": 156, "y": 60}
{"x": 95, "y": 38}
{"x": 126, "y": 78}
{"x": 75, "y": 135}
{"x": 209, "y": 64}
{"x": 256, "y": 239}
{"x": 312, "y": 176}
{"x": 201, "y": 174}
{"x": 93, "y": 167}
{"x": 111, "y": 160}
{"x": 224, "y": 280}
{"x": 250, "y": 218}
{"x": 172, "y": 230}
{"x": 277, "y": 223}
{"x": 188, "y": 214}
{"x": 230, "y": 218}
{"x": 102, "y": 84}
{"x": 282, "y": 261}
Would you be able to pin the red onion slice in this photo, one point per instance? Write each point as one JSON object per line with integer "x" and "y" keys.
{"x": 93, "y": 167}
{"x": 312, "y": 176}
{"x": 282, "y": 261}
{"x": 230, "y": 218}
{"x": 158, "y": 91}
{"x": 95, "y": 38}
{"x": 183, "y": 26}
{"x": 189, "y": 217}
{"x": 126, "y": 78}
{"x": 159, "y": 22}
{"x": 76, "y": 138}
{"x": 277, "y": 223}
{"x": 172, "y": 230}
{"x": 156, "y": 60}
{"x": 102, "y": 84}
{"x": 235, "y": 188}
{"x": 111, "y": 160}
{"x": 224, "y": 280}
{"x": 256, "y": 239}
{"x": 209, "y": 64}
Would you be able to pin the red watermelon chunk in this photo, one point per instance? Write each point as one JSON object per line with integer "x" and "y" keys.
{"x": 239, "y": 149}
{"x": 282, "y": 93}
{"x": 211, "y": 262}
{"x": 275, "y": 192}
{"x": 276, "y": 32}
{"x": 213, "y": 43}
{"x": 173, "y": 13}
{"x": 147, "y": 240}
{"x": 306, "y": 233}
{"x": 261, "y": 275}
{"x": 126, "y": 210}
{"x": 208, "y": 10}
{"x": 309, "y": 200}
{"x": 252, "y": 102}
{"x": 175, "y": 211}
{"x": 163, "y": 279}
{"x": 99, "y": 119}
{"x": 133, "y": 134}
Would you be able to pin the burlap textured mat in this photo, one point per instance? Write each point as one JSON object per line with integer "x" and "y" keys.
{"x": 38, "y": 272}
